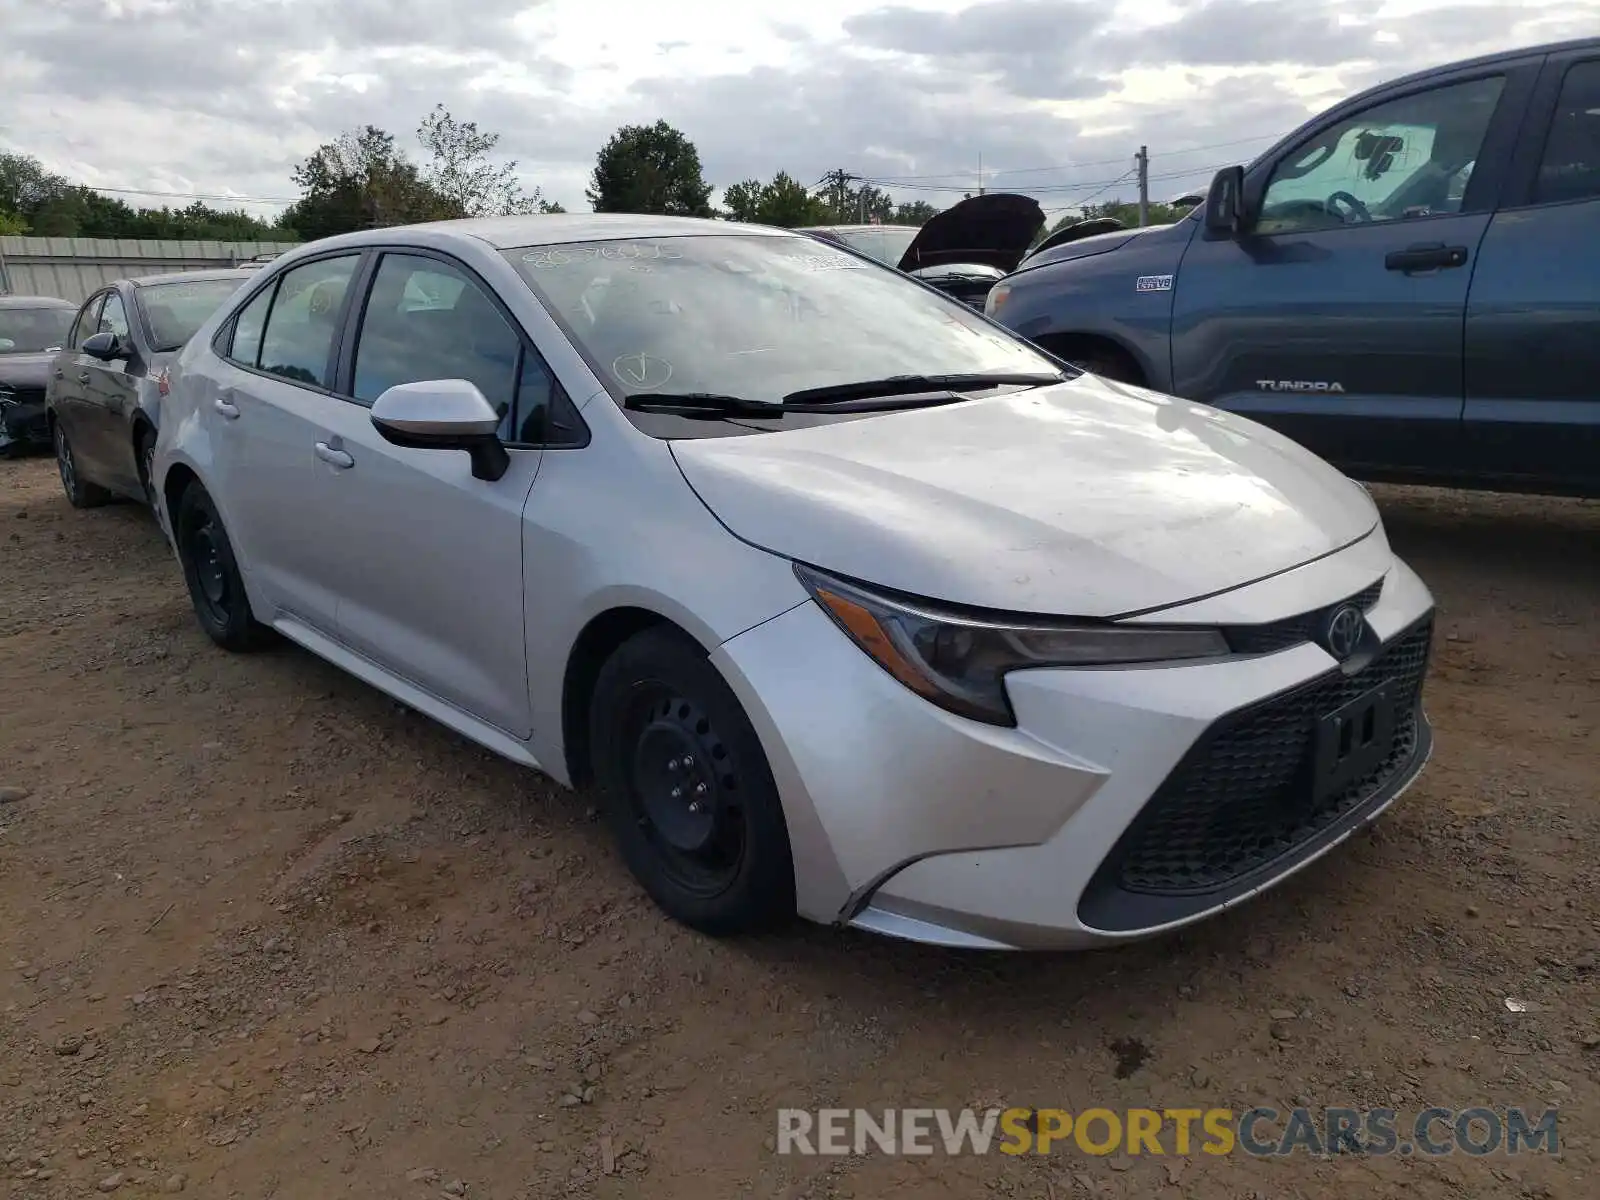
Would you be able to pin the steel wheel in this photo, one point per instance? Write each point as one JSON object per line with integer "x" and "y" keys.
{"x": 684, "y": 790}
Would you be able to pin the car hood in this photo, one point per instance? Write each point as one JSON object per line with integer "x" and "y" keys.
{"x": 1084, "y": 247}
{"x": 1086, "y": 498}
{"x": 25, "y": 370}
{"x": 996, "y": 228}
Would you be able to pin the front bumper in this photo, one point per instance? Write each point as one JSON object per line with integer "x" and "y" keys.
{"x": 1087, "y": 823}
{"x": 23, "y": 421}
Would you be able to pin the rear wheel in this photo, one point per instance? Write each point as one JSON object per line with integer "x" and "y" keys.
{"x": 215, "y": 586}
{"x": 687, "y": 789}
{"x": 80, "y": 492}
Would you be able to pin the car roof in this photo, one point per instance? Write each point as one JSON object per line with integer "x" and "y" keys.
{"x": 36, "y": 302}
{"x": 191, "y": 276}
{"x": 547, "y": 229}
{"x": 1489, "y": 60}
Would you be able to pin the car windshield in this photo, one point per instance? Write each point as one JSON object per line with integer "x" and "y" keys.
{"x": 174, "y": 311}
{"x": 887, "y": 245}
{"x": 30, "y": 330}
{"x": 756, "y": 316}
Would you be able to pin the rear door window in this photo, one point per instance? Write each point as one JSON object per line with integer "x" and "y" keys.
{"x": 297, "y": 341}
{"x": 1570, "y": 169}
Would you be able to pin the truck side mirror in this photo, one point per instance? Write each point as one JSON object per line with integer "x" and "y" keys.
{"x": 1225, "y": 202}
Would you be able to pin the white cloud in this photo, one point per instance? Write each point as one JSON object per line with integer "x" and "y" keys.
{"x": 224, "y": 97}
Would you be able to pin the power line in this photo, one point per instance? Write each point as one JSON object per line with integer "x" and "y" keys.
{"x": 94, "y": 187}
{"x": 1103, "y": 162}
{"x": 1047, "y": 189}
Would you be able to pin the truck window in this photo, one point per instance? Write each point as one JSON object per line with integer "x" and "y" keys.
{"x": 1404, "y": 158}
{"x": 1570, "y": 169}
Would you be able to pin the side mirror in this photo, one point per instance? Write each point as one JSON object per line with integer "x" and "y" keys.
{"x": 1225, "y": 202}
{"x": 443, "y": 414}
{"x": 106, "y": 347}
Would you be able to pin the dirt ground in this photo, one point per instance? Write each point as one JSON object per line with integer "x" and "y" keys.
{"x": 265, "y": 934}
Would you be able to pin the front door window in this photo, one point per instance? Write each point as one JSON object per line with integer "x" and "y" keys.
{"x": 1401, "y": 159}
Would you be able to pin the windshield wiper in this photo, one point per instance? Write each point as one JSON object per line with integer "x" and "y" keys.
{"x": 705, "y": 405}
{"x": 708, "y": 406}
{"x": 900, "y": 385}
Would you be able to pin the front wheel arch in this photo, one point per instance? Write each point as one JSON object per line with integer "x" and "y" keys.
{"x": 1098, "y": 354}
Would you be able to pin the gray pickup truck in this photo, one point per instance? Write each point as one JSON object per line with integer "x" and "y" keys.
{"x": 1408, "y": 284}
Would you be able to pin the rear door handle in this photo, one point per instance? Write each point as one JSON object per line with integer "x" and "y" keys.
{"x": 231, "y": 411}
{"x": 1425, "y": 256}
{"x": 334, "y": 458}
{"x": 83, "y": 377}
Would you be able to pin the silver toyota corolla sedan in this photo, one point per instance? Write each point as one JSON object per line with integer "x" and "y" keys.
{"x": 847, "y": 601}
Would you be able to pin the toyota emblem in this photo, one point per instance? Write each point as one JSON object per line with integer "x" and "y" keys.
{"x": 1342, "y": 634}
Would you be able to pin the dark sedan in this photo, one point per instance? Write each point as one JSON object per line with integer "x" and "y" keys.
{"x": 105, "y": 386}
{"x": 32, "y": 330}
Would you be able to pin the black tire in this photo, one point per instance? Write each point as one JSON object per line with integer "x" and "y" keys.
{"x": 662, "y": 714}
{"x": 215, "y": 586}
{"x": 144, "y": 450}
{"x": 80, "y": 492}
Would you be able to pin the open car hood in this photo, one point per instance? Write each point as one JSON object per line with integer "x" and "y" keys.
{"x": 1081, "y": 229}
{"x": 996, "y": 229}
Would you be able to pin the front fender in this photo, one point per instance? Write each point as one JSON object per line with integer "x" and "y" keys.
{"x": 1124, "y": 295}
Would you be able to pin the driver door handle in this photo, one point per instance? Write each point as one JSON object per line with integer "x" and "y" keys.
{"x": 60, "y": 374}
{"x": 335, "y": 458}
{"x": 83, "y": 377}
{"x": 231, "y": 411}
{"x": 1425, "y": 256}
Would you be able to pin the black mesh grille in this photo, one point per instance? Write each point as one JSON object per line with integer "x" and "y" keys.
{"x": 1239, "y": 799}
{"x": 1293, "y": 631}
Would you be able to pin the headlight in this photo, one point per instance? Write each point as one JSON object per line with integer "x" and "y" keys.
{"x": 960, "y": 662}
{"x": 996, "y": 298}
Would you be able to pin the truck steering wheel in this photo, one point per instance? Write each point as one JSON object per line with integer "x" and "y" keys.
{"x": 1357, "y": 209}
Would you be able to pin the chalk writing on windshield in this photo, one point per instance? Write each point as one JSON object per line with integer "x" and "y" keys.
{"x": 826, "y": 262}
{"x": 628, "y": 252}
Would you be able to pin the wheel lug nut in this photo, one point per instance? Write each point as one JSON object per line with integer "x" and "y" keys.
{"x": 677, "y": 793}
{"x": 699, "y": 789}
{"x": 688, "y": 761}
{"x": 672, "y": 765}
{"x": 694, "y": 806}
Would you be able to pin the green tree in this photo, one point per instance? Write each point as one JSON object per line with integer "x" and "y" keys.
{"x": 460, "y": 170}
{"x": 649, "y": 169}
{"x": 361, "y": 181}
{"x": 917, "y": 212}
{"x": 787, "y": 202}
{"x": 743, "y": 200}
{"x": 12, "y": 223}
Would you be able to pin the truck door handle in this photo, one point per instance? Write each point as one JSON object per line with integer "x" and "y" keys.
{"x": 231, "y": 411}
{"x": 60, "y": 374}
{"x": 335, "y": 458}
{"x": 83, "y": 377}
{"x": 1425, "y": 256}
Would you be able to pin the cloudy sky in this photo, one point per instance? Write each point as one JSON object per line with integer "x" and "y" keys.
{"x": 223, "y": 97}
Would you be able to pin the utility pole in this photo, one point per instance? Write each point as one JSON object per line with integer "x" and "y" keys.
{"x": 1143, "y": 161}
{"x": 838, "y": 181}
{"x": 980, "y": 172}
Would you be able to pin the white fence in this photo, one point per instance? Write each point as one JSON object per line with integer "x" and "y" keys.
{"x": 71, "y": 268}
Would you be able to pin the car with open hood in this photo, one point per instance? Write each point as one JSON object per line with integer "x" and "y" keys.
{"x": 32, "y": 329}
{"x": 963, "y": 251}
{"x": 847, "y": 601}
{"x": 106, "y": 383}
